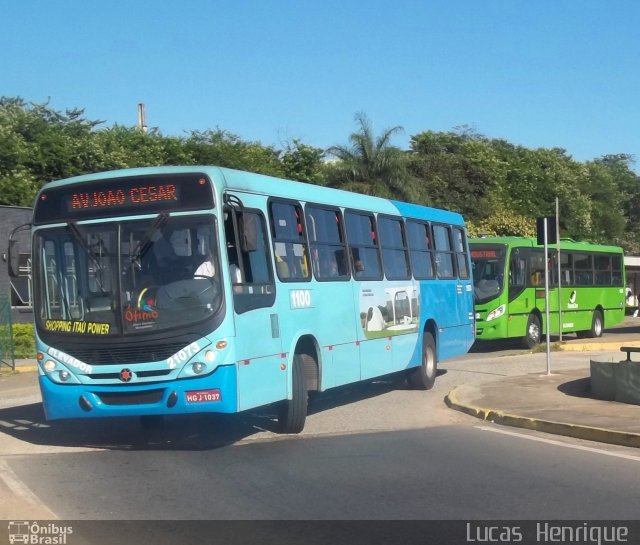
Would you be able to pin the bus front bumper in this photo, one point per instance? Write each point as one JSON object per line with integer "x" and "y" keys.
{"x": 216, "y": 392}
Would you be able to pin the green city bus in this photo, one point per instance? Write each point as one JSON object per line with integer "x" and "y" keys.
{"x": 509, "y": 278}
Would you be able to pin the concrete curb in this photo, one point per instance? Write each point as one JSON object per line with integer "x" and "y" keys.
{"x": 594, "y": 346}
{"x": 577, "y": 431}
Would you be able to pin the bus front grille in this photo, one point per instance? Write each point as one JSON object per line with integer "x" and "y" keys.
{"x": 147, "y": 397}
{"x": 123, "y": 355}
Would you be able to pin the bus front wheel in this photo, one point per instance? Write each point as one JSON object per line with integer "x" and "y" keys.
{"x": 597, "y": 325}
{"x": 424, "y": 376}
{"x": 532, "y": 334}
{"x": 292, "y": 412}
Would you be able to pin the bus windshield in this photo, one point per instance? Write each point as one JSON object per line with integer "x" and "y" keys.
{"x": 127, "y": 277}
{"x": 488, "y": 271}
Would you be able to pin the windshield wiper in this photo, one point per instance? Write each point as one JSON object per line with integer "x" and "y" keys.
{"x": 79, "y": 236}
{"x": 145, "y": 242}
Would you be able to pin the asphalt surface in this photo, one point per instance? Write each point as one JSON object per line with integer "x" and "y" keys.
{"x": 560, "y": 402}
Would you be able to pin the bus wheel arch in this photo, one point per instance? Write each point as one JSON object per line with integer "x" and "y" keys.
{"x": 423, "y": 376}
{"x": 533, "y": 332}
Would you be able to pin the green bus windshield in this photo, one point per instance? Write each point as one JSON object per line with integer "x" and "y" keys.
{"x": 488, "y": 270}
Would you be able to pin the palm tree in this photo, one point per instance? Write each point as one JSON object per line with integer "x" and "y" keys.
{"x": 370, "y": 165}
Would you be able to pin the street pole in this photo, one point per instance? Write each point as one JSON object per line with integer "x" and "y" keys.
{"x": 559, "y": 269}
{"x": 546, "y": 294}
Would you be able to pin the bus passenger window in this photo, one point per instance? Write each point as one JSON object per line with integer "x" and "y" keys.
{"x": 328, "y": 247}
{"x": 420, "y": 249}
{"x": 289, "y": 241}
{"x": 394, "y": 248}
{"x": 444, "y": 254}
{"x": 363, "y": 242}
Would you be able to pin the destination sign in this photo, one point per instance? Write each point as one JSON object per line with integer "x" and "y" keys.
{"x": 136, "y": 195}
{"x": 484, "y": 254}
{"x": 117, "y": 196}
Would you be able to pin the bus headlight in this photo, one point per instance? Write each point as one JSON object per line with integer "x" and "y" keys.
{"x": 496, "y": 313}
{"x": 198, "y": 367}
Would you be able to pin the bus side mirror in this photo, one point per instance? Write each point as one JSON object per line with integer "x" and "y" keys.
{"x": 12, "y": 257}
{"x": 248, "y": 232}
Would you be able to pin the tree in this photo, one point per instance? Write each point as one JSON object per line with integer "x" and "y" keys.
{"x": 39, "y": 144}
{"x": 222, "y": 148}
{"x": 457, "y": 171}
{"x": 370, "y": 165}
{"x": 304, "y": 163}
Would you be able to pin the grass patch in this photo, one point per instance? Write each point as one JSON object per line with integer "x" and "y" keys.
{"x": 24, "y": 342}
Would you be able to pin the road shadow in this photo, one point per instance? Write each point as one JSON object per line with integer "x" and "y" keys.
{"x": 203, "y": 431}
{"x": 580, "y": 387}
{"x": 627, "y": 328}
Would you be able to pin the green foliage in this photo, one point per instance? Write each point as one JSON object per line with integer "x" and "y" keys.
{"x": 221, "y": 148}
{"x": 23, "y": 340}
{"x": 499, "y": 187}
{"x": 370, "y": 165}
{"x": 456, "y": 171}
{"x": 304, "y": 163}
{"x": 503, "y": 224}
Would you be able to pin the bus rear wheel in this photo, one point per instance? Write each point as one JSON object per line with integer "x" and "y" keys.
{"x": 424, "y": 376}
{"x": 532, "y": 334}
{"x": 597, "y": 325}
{"x": 292, "y": 413}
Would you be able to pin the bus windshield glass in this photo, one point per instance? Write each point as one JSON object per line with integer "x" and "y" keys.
{"x": 127, "y": 277}
{"x": 488, "y": 270}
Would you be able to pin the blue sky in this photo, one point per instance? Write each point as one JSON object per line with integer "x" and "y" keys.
{"x": 544, "y": 73}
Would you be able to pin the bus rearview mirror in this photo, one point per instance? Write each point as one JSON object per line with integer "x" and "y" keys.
{"x": 248, "y": 233}
{"x": 13, "y": 255}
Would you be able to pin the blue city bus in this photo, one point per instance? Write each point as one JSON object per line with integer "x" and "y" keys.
{"x": 173, "y": 290}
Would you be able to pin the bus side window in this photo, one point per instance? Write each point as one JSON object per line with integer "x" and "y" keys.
{"x": 536, "y": 268}
{"x": 363, "y": 243}
{"x": 289, "y": 241}
{"x": 249, "y": 264}
{"x": 444, "y": 252}
{"x": 460, "y": 248}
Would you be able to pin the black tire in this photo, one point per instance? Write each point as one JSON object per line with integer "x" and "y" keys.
{"x": 292, "y": 413}
{"x": 533, "y": 334}
{"x": 597, "y": 325}
{"x": 424, "y": 376}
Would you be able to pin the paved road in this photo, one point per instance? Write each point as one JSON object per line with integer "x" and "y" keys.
{"x": 446, "y": 472}
{"x": 375, "y": 450}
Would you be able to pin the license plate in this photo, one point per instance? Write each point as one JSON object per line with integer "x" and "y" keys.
{"x": 203, "y": 396}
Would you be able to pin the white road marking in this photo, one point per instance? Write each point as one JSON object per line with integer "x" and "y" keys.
{"x": 560, "y": 443}
{"x": 16, "y": 485}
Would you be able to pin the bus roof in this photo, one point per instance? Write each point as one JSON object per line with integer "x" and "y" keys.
{"x": 532, "y": 242}
{"x": 226, "y": 178}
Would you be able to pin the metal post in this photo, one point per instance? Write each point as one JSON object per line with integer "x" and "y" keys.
{"x": 142, "y": 118}
{"x": 559, "y": 269}
{"x": 546, "y": 295}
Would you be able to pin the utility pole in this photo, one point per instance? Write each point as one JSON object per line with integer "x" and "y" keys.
{"x": 559, "y": 269}
{"x": 546, "y": 292}
{"x": 142, "y": 118}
